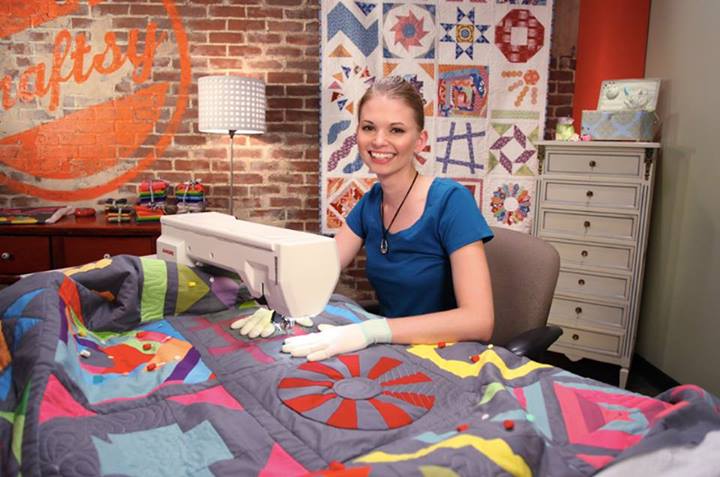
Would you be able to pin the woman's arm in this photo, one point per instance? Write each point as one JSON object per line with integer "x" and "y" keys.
{"x": 348, "y": 245}
{"x": 473, "y": 319}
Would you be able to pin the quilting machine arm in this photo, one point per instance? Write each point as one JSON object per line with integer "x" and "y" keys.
{"x": 295, "y": 272}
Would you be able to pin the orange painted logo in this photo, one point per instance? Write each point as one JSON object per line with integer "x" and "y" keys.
{"x": 86, "y": 150}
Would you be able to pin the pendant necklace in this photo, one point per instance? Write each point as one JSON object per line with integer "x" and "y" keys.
{"x": 384, "y": 248}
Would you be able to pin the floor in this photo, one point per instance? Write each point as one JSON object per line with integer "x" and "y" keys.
{"x": 644, "y": 378}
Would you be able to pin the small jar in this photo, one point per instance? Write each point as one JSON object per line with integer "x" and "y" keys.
{"x": 564, "y": 131}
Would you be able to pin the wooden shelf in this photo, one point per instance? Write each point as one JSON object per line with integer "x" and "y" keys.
{"x": 69, "y": 242}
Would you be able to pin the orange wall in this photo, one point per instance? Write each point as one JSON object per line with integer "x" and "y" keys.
{"x": 612, "y": 40}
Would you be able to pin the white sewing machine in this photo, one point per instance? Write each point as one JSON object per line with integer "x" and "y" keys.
{"x": 295, "y": 272}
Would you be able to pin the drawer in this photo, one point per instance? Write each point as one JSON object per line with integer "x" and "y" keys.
{"x": 23, "y": 254}
{"x": 586, "y": 225}
{"x": 564, "y": 310}
{"x": 607, "y": 343}
{"x": 589, "y": 284}
{"x": 618, "y": 196}
{"x": 80, "y": 250}
{"x": 614, "y": 257}
{"x": 594, "y": 164}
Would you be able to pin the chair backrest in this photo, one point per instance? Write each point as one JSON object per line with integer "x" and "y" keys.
{"x": 524, "y": 271}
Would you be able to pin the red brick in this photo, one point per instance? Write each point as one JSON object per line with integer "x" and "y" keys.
{"x": 566, "y": 88}
{"x": 303, "y": 90}
{"x": 226, "y": 63}
{"x": 286, "y": 154}
{"x": 208, "y": 50}
{"x": 264, "y": 38}
{"x": 206, "y": 24}
{"x": 192, "y": 165}
{"x": 189, "y": 140}
{"x": 244, "y": 50}
{"x": 303, "y": 13}
{"x": 223, "y": 11}
{"x": 108, "y": 10}
{"x": 285, "y": 26}
{"x": 561, "y": 75}
{"x": 254, "y": 12}
{"x": 265, "y": 189}
{"x": 248, "y": 178}
{"x": 284, "y": 51}
{"x": 303, "y": 166}
{"x": 247, "y": 25}
{"x": 285, "y": 202}
{"x": 285, "y": 128}
{"x": 302, "y": 39}
{"x": 264, "y": 65}
{"x": 196, "y": 12}
{"x": 226, "y": 37}
{"x": 284, "y": 103}
{"x": 147, "y": 10}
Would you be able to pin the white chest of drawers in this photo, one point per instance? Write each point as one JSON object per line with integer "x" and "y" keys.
{"x": 594, "y": 202}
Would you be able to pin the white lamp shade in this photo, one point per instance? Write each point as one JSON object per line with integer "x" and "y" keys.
{"x": 231, "y": 103}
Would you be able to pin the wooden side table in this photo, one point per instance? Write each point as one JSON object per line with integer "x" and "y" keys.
{"x": 69, "y": 242}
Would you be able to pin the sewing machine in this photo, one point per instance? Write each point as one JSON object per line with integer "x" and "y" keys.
{"x": 293, "y": 272}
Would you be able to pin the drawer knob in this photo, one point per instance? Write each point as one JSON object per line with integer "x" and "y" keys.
{"x": 6, "y": 256}
{"x": 107, "y": 255}
{"x": 578, "y": 310}
{"x": 592, "y": 163}
{"x": 581, "y": 282}
{"x": 586, "y": 224}
{"x": 589, "y": 194}
{"x": 575, "y": 337}
{"x": 584, "y": 253}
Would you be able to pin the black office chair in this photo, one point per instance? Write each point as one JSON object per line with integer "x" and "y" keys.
{"x": 524, "y": 271}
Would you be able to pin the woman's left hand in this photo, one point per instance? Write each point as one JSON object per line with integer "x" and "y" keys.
{"x": 333, "y": 340}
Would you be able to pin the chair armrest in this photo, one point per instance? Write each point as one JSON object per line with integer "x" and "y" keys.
{"x": 533, "y": 342}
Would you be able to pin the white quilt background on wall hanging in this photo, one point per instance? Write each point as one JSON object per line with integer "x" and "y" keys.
{"x": 481, "y": 67}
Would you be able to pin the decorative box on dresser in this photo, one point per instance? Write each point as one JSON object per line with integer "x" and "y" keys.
{"x": 594, "y": 202}
{"x": 70, "y": 241}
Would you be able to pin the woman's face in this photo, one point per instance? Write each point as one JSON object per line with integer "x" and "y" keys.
{"x": 388, "y": 135}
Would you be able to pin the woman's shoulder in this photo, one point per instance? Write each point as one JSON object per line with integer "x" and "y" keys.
{"x": 444, "y": 187}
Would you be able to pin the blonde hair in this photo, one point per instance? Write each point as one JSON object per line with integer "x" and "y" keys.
{"x": 398, "y": 88}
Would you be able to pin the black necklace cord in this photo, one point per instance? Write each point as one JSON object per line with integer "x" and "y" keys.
{"x": 384, "y": 248}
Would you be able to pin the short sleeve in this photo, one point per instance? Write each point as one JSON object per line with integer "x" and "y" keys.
{"x": 461, "y": 222}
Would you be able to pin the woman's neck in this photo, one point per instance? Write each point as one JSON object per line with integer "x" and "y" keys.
{"x": 395, "y": 187}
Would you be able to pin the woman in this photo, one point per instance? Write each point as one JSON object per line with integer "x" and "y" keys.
{"x": 423, "y": 236}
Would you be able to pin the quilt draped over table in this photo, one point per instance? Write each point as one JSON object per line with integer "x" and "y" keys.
{"x": 128, "y": 366}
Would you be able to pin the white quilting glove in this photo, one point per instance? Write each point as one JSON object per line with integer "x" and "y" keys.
{"x": 257, "y": 324}
{"x": 260, "y": 324}
{"x": 332, "y": 340}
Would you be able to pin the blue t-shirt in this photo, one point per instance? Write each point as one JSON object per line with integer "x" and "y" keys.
{"x": 415, "y": 276}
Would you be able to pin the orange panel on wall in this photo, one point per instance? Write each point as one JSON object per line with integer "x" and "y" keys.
{"x": 612, "y": 40}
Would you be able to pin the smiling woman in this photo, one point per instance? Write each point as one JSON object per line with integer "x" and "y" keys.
{"x": 423, "y": 237}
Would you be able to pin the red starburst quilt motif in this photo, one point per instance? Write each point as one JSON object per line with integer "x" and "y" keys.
{"x": 355, "y": 392}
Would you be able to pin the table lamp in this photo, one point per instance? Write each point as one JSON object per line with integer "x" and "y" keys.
{"x": 231, "y": 105}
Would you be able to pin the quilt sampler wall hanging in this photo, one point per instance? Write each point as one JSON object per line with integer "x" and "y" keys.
{"x": 481, "y": 67}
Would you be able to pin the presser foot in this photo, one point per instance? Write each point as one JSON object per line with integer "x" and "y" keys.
{"x": 282, "y": 323}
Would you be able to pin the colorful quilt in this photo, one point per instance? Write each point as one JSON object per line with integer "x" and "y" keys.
{"x": 128, "y": 366}
{"x": 481, "y": 67}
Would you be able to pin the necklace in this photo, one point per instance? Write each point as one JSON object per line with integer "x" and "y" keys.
{"x": 384, "y": 248}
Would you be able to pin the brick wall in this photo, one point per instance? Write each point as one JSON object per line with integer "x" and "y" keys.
{"x": 276, "y": 174}
{"x": 561, "y": 87}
